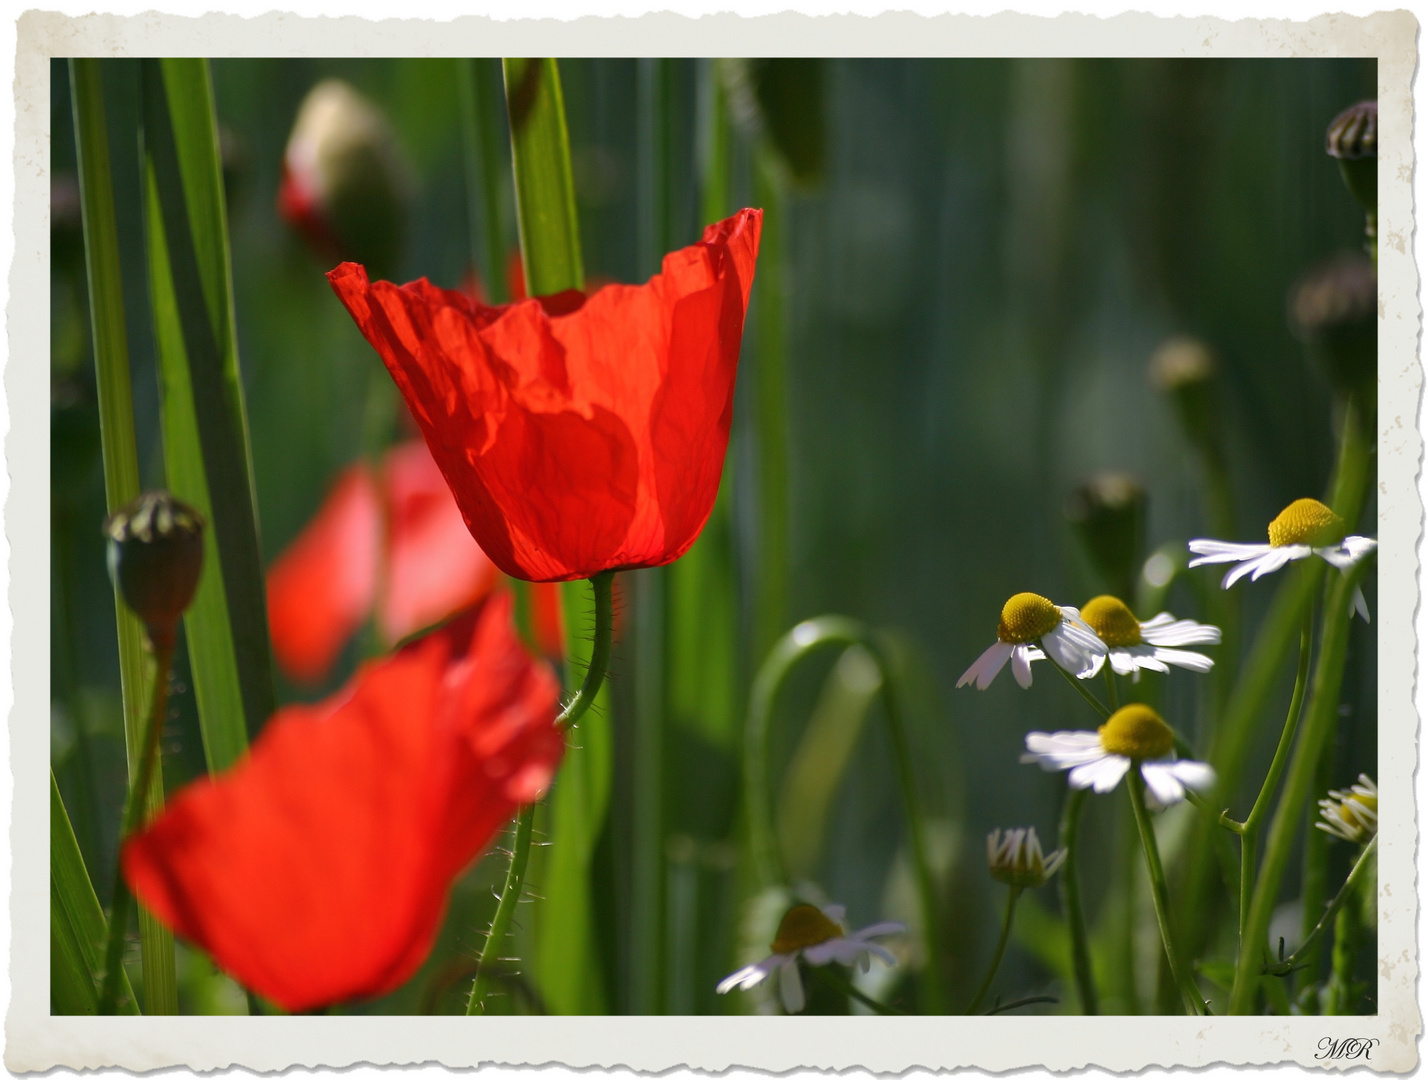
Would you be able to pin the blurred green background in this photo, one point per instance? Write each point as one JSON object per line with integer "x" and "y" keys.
{"x": 979, "y": 260}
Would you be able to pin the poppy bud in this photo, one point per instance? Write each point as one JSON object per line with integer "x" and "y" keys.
{"x": 1334, "y": 309}
{"x": 1184, "y": 369}
{"x": 781, "y": 98}
{"x": 1108, "y": 514}
{"x": 1352, "y": 138}
{"x": 345, "y": 181}
{"x": 155, "y": 557}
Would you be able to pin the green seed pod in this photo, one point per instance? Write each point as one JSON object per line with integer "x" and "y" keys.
{"x": 1184, "y": 369}
{"x": 1334, "y": 310}
{"x": 1352, "y": 139}
{"x": 155, "y": 558}
{"x": 1108, "y": 514}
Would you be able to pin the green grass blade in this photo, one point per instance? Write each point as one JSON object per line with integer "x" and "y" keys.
{"x": 545, "y": 184}
{"x": 77, "y": 927}
{"x": 121, "y": 467}
{"x": 205, "y": 430}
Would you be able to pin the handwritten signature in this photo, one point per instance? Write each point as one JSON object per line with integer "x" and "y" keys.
{"x": 1344, "y": 1049}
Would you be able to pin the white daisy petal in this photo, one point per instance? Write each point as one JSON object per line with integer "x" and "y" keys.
{"x": 753, "y": 974}
{"x": 1021, "y": 666}
{"x": 878, "y": 929}
{"x": 1273, "y": 559}
{"x": 1184, "y": 658}
{"x": 1073, "y": 645}
{"x": 1122, "y": 662}
{"x": 1281, "y": 556}
{"x": 1102, "y": 775}
{"x": 1196, "y": 775}
{"x": 1162, "y": 787}
{"x": 870, "y": 949}
{"x": 987, "y": 665}
{"x": 1349, "y": 552}
{"x": 1361, "y": 605}
{"x": 1062, "y": 749}
{"x": 1178, "y": 632}
{"x": 838, "y": 948}
{"x": 1221, "y": 551}
{"x": 790, "y": 988}
{"x": 836, "y": 912}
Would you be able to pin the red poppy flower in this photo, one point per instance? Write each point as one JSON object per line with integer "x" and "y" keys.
{"x": 317, "y": 870}
{"x": 322, "y": 588}
{"x": 577, "y": 434}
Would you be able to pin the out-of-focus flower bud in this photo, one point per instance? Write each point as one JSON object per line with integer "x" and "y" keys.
{"x": 781, "y": 98}
{"x": 345, "y": 181}
{"x": 1185, "y": 370}
{"x": 1016, "y": 858}
{"x": 1352, "y": 138}
{"x": 1334, "y": 310}
{"x": 155, "y": 558}
{"x": 1108, "y": 514}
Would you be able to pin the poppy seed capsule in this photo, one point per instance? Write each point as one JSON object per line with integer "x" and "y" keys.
{"x": 1352, "y": 139}
{"x": 155, "y": 558}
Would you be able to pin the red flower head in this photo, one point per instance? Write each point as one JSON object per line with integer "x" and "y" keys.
{"x": 317, "y": 870}
{"x": 577, "y": 434}
{"x": 324, "y": 585}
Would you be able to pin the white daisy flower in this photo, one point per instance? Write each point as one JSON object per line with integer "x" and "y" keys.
{"x": 818, "y": 937}
{"x": 1016, "y": 859}
{"x": 1133, "y": 646}
{"x": 1028, "y": 620}
{"x": 1303, "y": 528}
{"x": 1351, "y": 815}
{"x": 1134, "y": 736}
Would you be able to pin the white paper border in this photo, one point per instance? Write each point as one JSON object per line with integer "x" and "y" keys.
{"x": 36, "y": 1041}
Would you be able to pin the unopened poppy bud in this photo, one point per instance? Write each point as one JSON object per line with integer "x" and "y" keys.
{"x": 782, "y": 99}
{"x": 1184, "y": 369}
{"x": 1352, "y": 139}
{"x": 345, "y": 181}
{"x": 1334, "y": 309}
{"x": 1108, "y": 514}
{"x": 155, "y": 557}
{"x": 1016, "y": 858}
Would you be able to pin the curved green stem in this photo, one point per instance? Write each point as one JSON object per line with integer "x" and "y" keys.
{"x": 1322, "y": 713}
{"x": 521, "y": 841}
{"x": 1081, "y": 689}
{"x": 1284, "y": 967}
{"x": 603, "y": 584}
{"x": 1071, "y": 903}
{"x": 1135, "y": 786}
{"x": 828, "y": 977}
{"x": 804, "y": 639}
{"x": 134, "y": 804}
{"x": 1111, "y": 693}
{"x": 1013, "y": 894}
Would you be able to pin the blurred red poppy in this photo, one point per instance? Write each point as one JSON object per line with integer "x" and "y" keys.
{"x": 577, "y": 434}
{"x": 317, "y": 870}
{"x": 322, "y": 588}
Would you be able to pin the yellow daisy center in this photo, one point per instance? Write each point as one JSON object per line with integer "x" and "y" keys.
{"x": 1026, "y": 617}
{"x": 1137, "y": 732}
{"x": 1114, "y": 623}
{"x": 1368, "y": 802}
{"x": 1306, "y": 521}
{"x": 803, "y": 926}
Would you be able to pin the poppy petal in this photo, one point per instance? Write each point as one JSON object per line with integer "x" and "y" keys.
{"x": 317, "y": 870}
{"x": 320, "y": 588}
{"x": 577, "y": 434}
{"x": 434, "y": 567}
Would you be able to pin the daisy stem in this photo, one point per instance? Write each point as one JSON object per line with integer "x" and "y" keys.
{"x": 1013, "y": 894}
{"x": 1081, "y": 689}
{"x": 1111, "y": 695}
{"x": 603, "y": 584}
{"x": 1284, "y": 967}
{"x": 506, "y": 907}
{"x": 844, "y": 985}
{"x": 134, "y": 806}
{"x": 1135, "y": 786}
{"x": 1319, "y": 719}
{"x": 1071, "y": 902}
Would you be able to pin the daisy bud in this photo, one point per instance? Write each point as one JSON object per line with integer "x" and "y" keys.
{"x": 155, "y": 557}
{"x": 1352, "y": 139}
{"x": 1108, "y": 514}
{"x": 1016, "y": 859}
{"x": 1351, "y": 815}
{"x": 1334, "y": 309}
{"x": 345, "y": 181}
{"x": 1184, "y": 369}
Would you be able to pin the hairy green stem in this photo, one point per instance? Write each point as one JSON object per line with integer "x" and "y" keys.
{"x": 134, "y": 806}
{"x": 1318, "y": 727}
{"x": 603, "y": 584}
{"x": 1357, "y": 874}
{"x": 1013, "y": 894}
{"x": 1071, "y": 902}
{"x": 1160, "y": 893}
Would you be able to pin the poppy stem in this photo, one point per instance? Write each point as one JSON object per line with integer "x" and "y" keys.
{"x": 134, "y": 806}
{"x": 506, "y": 908}
{"x": 603, "y": 584}
{"x": 1013, "y": 894}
